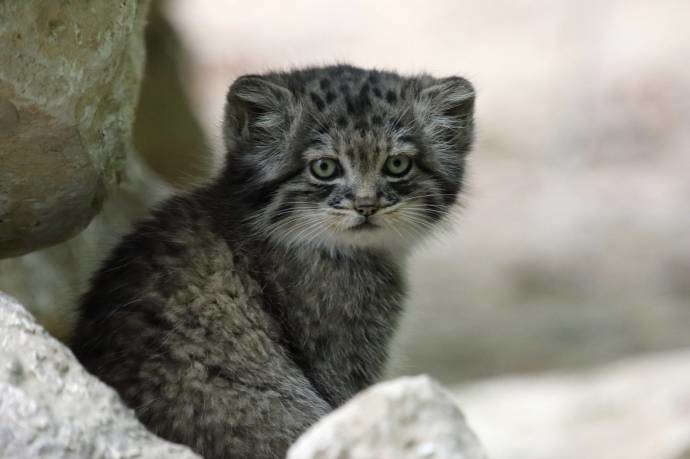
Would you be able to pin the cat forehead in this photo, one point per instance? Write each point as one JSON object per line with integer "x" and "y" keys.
{"x": 352, "y": 97}
{"x": 344, "y": 79}
{"x": 362, "y": 115}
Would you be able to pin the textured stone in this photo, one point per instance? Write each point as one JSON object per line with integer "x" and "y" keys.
{"x": 50, "y": 407}
{"x": 69, "y": 79}
{"x": 401, "y": 419}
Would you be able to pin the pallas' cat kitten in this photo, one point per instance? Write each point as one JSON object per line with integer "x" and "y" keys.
{"x": 240, "y": 313}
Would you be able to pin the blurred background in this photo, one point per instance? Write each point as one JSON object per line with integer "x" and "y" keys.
{"x": 573, "y": 248}
{"x": 574, "y": 245}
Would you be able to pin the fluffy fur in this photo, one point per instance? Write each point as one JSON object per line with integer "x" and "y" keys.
{"x": 240, "y": 313}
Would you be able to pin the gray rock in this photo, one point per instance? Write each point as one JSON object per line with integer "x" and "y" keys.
{"x": 48, "y": 282}
{"x": 50, "y": 407}
{"x": 68, "y": 90}
{"x": 401, "y": 419}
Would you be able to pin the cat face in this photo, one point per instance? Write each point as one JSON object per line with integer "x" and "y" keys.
{"x": 340, "y": 157}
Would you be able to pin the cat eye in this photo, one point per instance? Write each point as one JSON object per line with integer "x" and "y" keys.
{"x": 397, "y": 166}
{"x": 325, "y": 168}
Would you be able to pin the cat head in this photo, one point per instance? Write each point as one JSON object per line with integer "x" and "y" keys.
{"x": 343, "y": 157}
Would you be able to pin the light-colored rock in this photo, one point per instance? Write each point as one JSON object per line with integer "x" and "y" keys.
{"x": 634, "y": 409}
{"x": 69, "y": 79}
{"x": 401, "y": 419}
{"x": 51, "y": 408}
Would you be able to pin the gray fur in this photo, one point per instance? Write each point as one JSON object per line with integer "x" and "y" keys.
{"x": 241, "y": 313}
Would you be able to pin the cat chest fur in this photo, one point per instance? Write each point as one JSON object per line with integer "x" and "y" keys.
{"x": 337, "y": 313}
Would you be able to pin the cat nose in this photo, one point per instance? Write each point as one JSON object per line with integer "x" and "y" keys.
{"x": 366, "y": 207}
{"x": 367, "y": 211}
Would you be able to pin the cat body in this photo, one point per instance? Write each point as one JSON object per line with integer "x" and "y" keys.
{"x": 241, "y": 312}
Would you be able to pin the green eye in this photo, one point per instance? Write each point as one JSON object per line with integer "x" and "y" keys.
{"x": 398, "y": 165}
{"x": 325, "y": 169}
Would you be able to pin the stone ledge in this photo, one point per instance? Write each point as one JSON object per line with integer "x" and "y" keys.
{"x": 406, "y": 418}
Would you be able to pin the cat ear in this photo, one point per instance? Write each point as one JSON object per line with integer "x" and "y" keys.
{"x": 449, "y": 112}
{"x": 256, "y": 111}
{"x": 452, "y": 97}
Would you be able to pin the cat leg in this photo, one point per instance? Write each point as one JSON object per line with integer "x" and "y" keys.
{"x": 257, "y": 415}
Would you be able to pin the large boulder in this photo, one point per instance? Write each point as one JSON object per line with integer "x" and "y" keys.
{"x": 407, "y": 418}
{"x": 69, "y": 80}
{"x": 51, "y": 408}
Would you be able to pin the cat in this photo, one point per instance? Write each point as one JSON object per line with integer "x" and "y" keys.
{"x": 243, "y": 311}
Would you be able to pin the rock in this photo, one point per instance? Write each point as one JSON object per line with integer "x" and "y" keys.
{"x": 48, "y": 282}
{"x": 401, "y": 419}
{"x": 68, "y": 90}
{"x": 50, "y": 407}
{"x": 634, "y": 409}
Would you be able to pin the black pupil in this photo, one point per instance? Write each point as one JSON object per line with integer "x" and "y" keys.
{"x": 397, "y": 162}
{"x": 324, "y": 166}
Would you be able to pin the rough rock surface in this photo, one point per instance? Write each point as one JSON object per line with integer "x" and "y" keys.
{"x": 69, "y": 79}
{"x": 635, "y": 409}
{"x": 401, "y": 419}
{"x": 50, "y": 407}
{"x": 48, "y": 282}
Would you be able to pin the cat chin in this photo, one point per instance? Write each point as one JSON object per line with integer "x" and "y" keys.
{"x": 377, "y": 238}
{"x": 352, "y": 234}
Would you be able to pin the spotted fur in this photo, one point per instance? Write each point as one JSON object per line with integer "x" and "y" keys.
{"x": 240, "y": 313}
